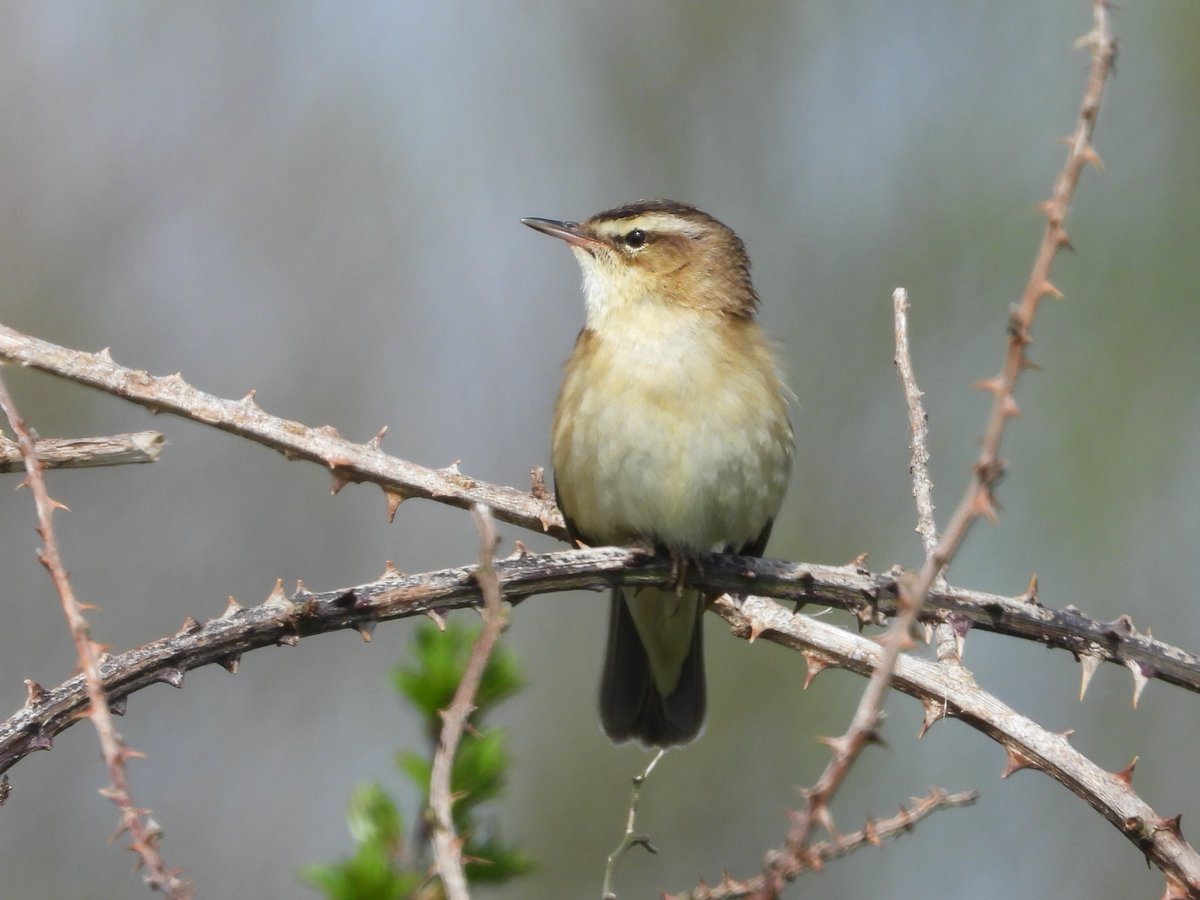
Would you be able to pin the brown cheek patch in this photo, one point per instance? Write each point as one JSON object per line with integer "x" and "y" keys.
{"x": 669, "y": 254}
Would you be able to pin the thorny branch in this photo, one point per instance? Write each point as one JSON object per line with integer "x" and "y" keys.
{"x": 978, "y": 498}
{"x": 873, "y": 833}
{"x": 630, "y": 838}
{"x": 867, "y": 595}
{"x": 922, "y": 487}
{"x": 282, "y": 620}
{"x": 346, "y": 460}
{"x": 918, "y": 423}
{"x": 78, "y": 453}
{"x": 796, "y": 855}
{"x": 949, "y": 691}
{"x": 447, "y": 846}
{"x": 1118, "y": 641}
{"x": 143, "y": 832}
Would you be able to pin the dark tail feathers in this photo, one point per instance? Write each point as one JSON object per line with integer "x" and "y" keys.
{"x": 630, "y": 703}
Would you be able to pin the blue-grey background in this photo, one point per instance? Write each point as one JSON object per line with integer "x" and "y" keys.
{"x": 320, "y": 201}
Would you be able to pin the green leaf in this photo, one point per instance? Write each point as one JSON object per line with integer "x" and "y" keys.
{"x": 416, "y": 767}
{"x": 372, "y": 817}
{"x": 478, "y": 772}
{"x": 500, "y": 862}
{"x": 379, "y": 870}
{"x": 430, "y": 680}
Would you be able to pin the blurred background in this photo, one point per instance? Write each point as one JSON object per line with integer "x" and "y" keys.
{"x": 320, "y": 201}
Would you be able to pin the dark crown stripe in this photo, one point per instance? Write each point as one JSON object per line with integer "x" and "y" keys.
{"x": 641, "y": 207}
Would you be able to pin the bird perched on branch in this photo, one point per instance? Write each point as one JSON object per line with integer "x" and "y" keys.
{"x": 671, "y": 430}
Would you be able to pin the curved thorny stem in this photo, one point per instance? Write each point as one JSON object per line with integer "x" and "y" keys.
{"x": 143, "y": 832}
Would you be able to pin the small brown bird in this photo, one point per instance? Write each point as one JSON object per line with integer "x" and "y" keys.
{"x": 671, "y": 430}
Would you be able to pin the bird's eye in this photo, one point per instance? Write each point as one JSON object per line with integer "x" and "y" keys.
{"x": 635, "y": 239}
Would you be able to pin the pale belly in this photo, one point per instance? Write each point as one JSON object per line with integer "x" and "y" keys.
{"x": 687, "y": 456}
